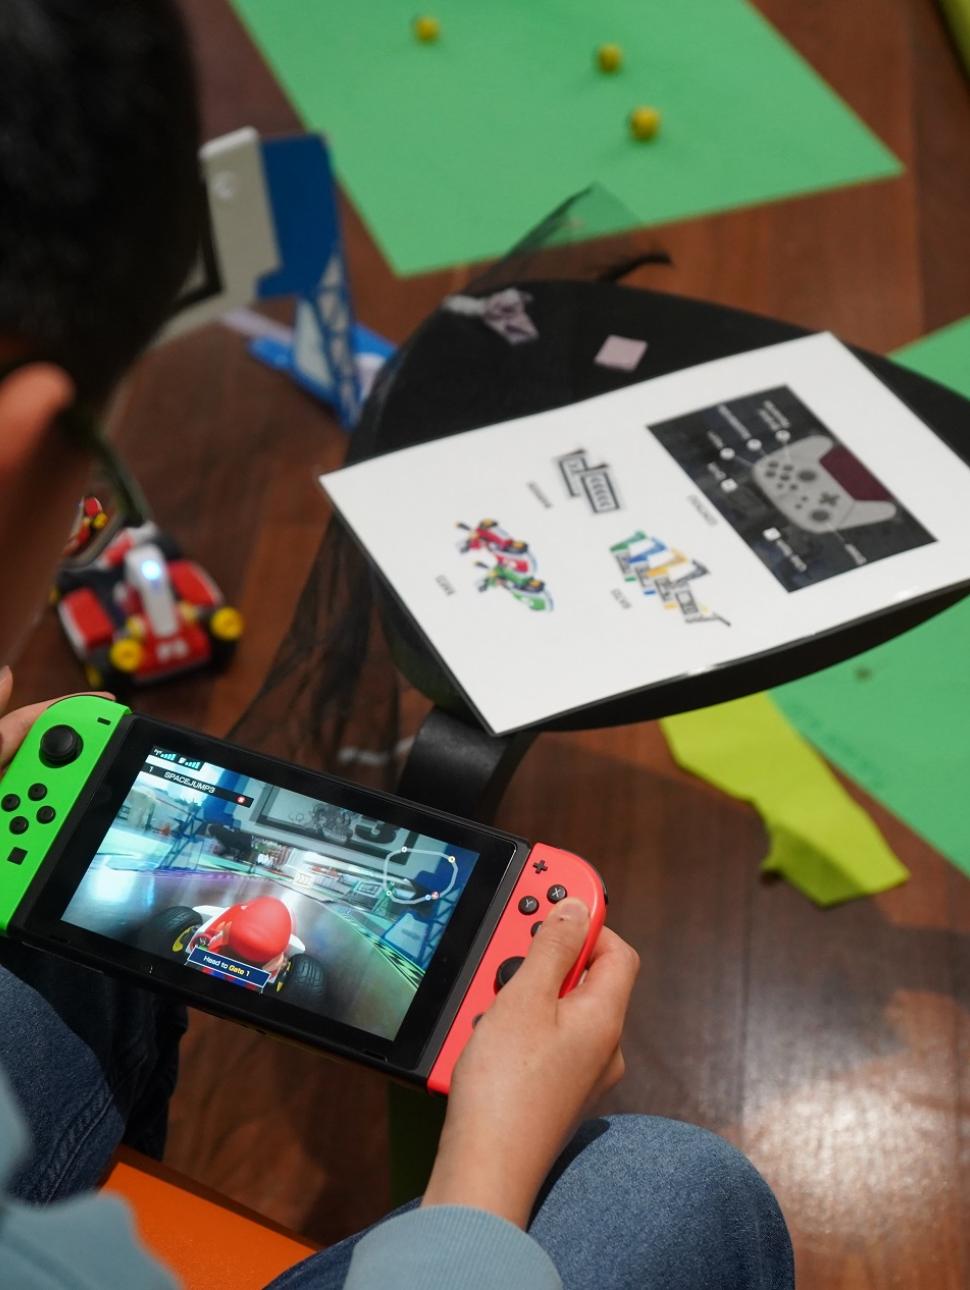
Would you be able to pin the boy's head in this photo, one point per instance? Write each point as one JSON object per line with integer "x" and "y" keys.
{"x": 99, "y": 209}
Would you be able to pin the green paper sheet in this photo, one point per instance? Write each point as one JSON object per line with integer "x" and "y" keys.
{"x": 821, "y": 841}
{"x": 957, "y": 14}
{"x": 943, "y": 356}
{"x": 451, "y": 151}
{"x": 897, "y": 719}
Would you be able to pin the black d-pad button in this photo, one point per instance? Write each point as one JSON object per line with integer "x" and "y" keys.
{"x": 37, "y": 792}
{"x": 10, "y": 801}
{"x": 507, "y": 970}
{"x": 18, "y": 824}
{"x": 60, "y": 745}
{"x": 528, "y": 905}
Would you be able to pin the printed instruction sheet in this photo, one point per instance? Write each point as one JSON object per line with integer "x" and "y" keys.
{"x": 664, "y": 529}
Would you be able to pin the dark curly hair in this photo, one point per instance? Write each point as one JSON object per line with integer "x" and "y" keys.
{"x": 100, "y": 195}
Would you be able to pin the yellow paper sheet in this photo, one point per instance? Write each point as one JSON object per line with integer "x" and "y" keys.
{"x": 821, "y": 841}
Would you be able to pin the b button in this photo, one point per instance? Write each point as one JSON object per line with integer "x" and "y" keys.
{"x": 507, "y": 970}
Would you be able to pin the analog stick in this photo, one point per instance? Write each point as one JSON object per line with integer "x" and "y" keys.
{"x": 60, "y": 745}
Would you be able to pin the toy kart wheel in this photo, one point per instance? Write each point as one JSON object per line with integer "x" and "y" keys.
{"x": 302, "y": 982}
{"x": 126, "y": 655}
{"x": 100, "y": 674}
{"x": 167, "y": 933}
{"x": 225, "y": 626}
{"x": 517, "y": 546}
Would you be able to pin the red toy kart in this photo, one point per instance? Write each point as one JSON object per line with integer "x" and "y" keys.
{"x": 252, "y": 944}
{"x": 142, "y": 612}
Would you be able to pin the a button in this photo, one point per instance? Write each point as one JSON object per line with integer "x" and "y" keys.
{"x": 807, "y": 476}
{"x": 37, "y": 792}
{"x": 528, "y": 905}
{"x": 18, "y": 824}
{"x": 60, "y": 745}
{"x": 10, "y": 802}
{"x": 540, "y": 866}
{"x": 556, "y": 893}
{"x": 535, "y": 927}
{"x": 820, "y": 516}
{"x": 507, "y": 970}
{"x": 45, "y": 814}
{"x": 17, "y": 856}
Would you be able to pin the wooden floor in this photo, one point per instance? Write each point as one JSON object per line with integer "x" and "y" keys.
{"x": 833, "y": 1047}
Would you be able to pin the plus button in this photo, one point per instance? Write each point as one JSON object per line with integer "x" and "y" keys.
{"x": 540, "y": 866}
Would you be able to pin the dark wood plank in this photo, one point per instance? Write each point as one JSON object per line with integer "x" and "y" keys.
{"x": 853, "y": 1102}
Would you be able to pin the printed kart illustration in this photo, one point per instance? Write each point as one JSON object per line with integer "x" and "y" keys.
{"x": 489, "y": 536}
{"x": 252, "y": 944}
{"x": 514, "y": 565}
{"x": 524, "y": 587}
{"x": 666, "y": 573}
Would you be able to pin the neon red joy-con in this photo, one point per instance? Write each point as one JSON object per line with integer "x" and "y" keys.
{"x": 549, "y": 875}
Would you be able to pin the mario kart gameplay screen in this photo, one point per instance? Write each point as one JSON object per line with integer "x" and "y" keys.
{"x": 334, "y": 912}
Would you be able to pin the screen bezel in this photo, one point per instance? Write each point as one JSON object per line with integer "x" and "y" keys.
{"x": 39, "y": 918}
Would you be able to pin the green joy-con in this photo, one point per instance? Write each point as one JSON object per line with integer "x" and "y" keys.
{"x": 43, "y": 781}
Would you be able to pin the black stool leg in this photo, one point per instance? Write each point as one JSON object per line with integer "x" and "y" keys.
{"x": 459, "y": 768}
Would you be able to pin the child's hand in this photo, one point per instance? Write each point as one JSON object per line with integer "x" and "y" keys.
{"x": 533, "y": 1064}
{"x": 14, "y": 725}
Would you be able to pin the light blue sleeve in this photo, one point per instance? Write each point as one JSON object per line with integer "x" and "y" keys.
{"x": 87, "y": 1243}
{"x": 450, "y": 1245}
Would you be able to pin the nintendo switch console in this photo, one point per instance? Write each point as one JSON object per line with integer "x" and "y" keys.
{"x": 350, "y": 920}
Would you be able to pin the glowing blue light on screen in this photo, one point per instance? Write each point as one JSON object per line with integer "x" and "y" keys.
{"x": 151, "y": 569}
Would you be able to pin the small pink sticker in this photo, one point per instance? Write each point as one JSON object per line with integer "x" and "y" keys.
{"x": 621, "y": 352}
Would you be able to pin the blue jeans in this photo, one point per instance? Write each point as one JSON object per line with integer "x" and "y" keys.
{"x": 633, "y": 1201}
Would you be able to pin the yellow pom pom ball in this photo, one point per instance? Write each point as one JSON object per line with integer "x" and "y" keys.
{"x": 609, "y": 58}
{"x": 427, "y": 29}
{"x": 644, "y": 122}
